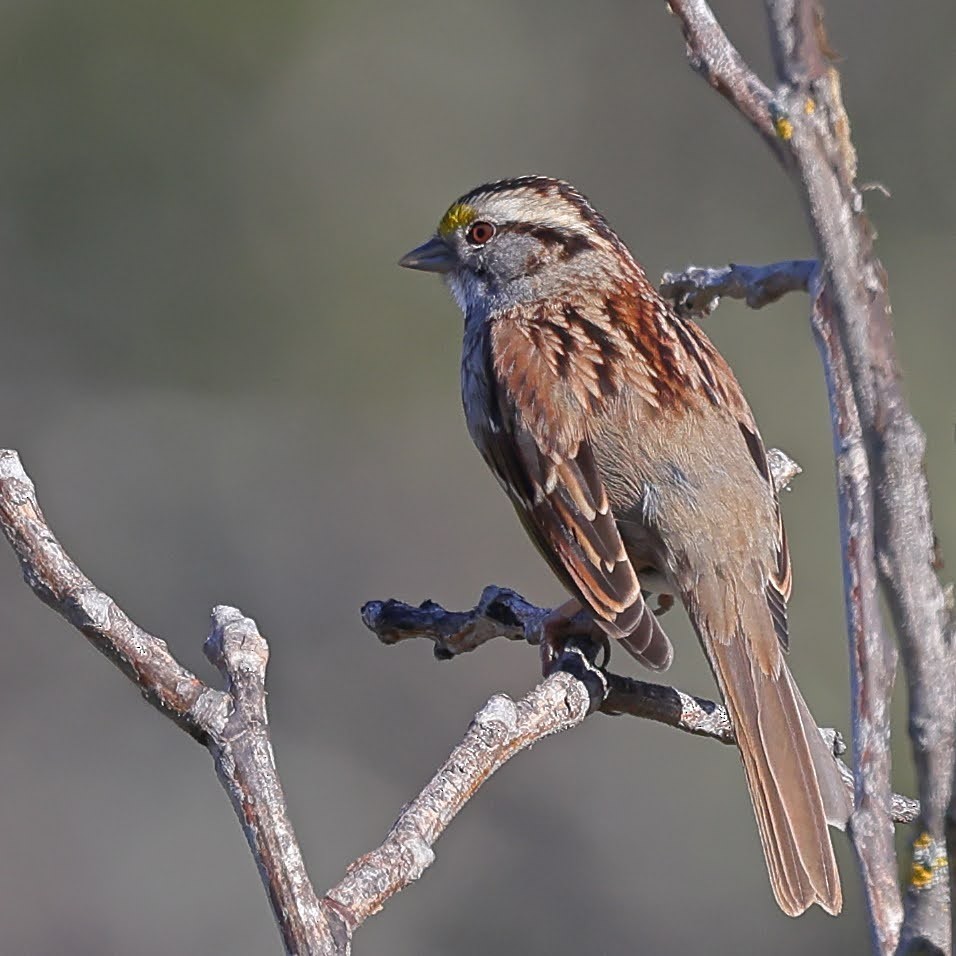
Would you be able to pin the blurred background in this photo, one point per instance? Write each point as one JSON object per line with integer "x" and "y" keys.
{"x": 227, "y": 392}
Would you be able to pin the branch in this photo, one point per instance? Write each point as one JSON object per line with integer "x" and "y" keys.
{"x": 503, "y": 613}
{"x": 895, "y": 446}
{"x": 697, "y": 291}
{"x": 712, "y": 55}
{"x": 872, "y": 656}
{"x": 245, "y": 764}
{"x": 501, "y": 729}
{"x": 232, "y": 724}
{"x": 57, "y": 581}
{"x": 813, "y": 132}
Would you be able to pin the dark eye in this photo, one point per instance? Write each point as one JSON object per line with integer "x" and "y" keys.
{"x": 480, "y": 232}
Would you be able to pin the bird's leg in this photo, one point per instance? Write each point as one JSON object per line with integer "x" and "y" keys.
{"x": 555, "y": 630}
{"x": 562, "y": 623}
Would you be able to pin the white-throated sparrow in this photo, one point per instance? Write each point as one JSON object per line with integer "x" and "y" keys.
{"x": 632, "y": 459}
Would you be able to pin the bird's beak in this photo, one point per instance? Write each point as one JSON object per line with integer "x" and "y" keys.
{"x": 432, "y": 256}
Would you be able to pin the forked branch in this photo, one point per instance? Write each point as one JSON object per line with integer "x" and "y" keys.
{"x": 884, "y": 497}
{"x": 232, "y": 723}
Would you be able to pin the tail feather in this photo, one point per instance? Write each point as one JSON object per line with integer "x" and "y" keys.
{"x": 792, "y": 778}
{"x": 648, "y": 643}
{"x": 837, "y": 802}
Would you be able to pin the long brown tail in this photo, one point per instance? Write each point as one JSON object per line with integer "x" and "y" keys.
{"x": 793, "y": 779}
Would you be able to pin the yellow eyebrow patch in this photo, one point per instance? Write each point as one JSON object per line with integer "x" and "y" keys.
{"x": 457, "y": 216}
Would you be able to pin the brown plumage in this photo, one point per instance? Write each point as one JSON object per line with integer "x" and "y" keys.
{"x": 633, "y": 461}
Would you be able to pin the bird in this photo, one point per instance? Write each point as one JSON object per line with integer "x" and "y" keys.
{"x": 634, "y": 463}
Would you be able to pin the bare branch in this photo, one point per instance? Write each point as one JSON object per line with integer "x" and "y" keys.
{"x": 393, "y": 620}
{"x": 902, "y": 809}
{"x": 233, "y": 724}
{"x": 500, "y": 612}
{"x": 813, "y": 144}
{"x": 872, "y": 656}
{"x": 501, "y": 729}
{"x": 895, "y": 445}
{"x": 504, "y": 613}
{"x": 58, "y": 582}
{"x": 716, "y": 59}
{"x": 697, "y": 291}
{"x": 668, "y": 705}
{"x": 246, "y": 767}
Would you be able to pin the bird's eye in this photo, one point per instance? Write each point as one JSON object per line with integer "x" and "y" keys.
{"x": 480, "y": 232}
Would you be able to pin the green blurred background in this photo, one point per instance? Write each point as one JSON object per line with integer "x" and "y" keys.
{"x": 228, "y": 393}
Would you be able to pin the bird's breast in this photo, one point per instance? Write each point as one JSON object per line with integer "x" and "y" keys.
{"x": 477, "y": 395}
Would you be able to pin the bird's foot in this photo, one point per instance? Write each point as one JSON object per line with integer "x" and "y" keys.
{"x": 563, "y": 623}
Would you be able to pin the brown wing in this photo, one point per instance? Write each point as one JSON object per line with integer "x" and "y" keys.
{"x": 779, "y": 574}
{"x": 780, "y": 578}
{"x": 539, "y": 449}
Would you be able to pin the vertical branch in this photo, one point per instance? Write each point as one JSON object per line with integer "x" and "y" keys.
{"x": 812, "y": 130}
{"x": 872, "y": 655}
{"x": 245, "y": 763}
{"x": 819, "y": 139}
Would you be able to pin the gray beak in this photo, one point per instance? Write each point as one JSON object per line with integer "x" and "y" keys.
{"x": 432, "y": 256}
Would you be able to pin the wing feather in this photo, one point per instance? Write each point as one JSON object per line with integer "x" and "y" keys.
{"x": 780, "y": 579}
{"x": 552, "y": 477}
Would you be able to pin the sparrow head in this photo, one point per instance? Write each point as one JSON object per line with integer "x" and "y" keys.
{"x": 519, "y": 239}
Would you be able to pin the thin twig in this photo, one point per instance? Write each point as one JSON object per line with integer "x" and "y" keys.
{"x": 500, "y": 612}
{"x": 697, "y": 291}
{"x": 712, "y": 55}
{"x": 872, "y": 653}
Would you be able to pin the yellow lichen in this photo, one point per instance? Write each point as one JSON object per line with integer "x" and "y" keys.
{"x": 809, "y": 107}
{"x": 929, "y": 861}
{"x": 921, "y": 876}
{"x": 784, "y": 127}
{"x": 457, "y": 216}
